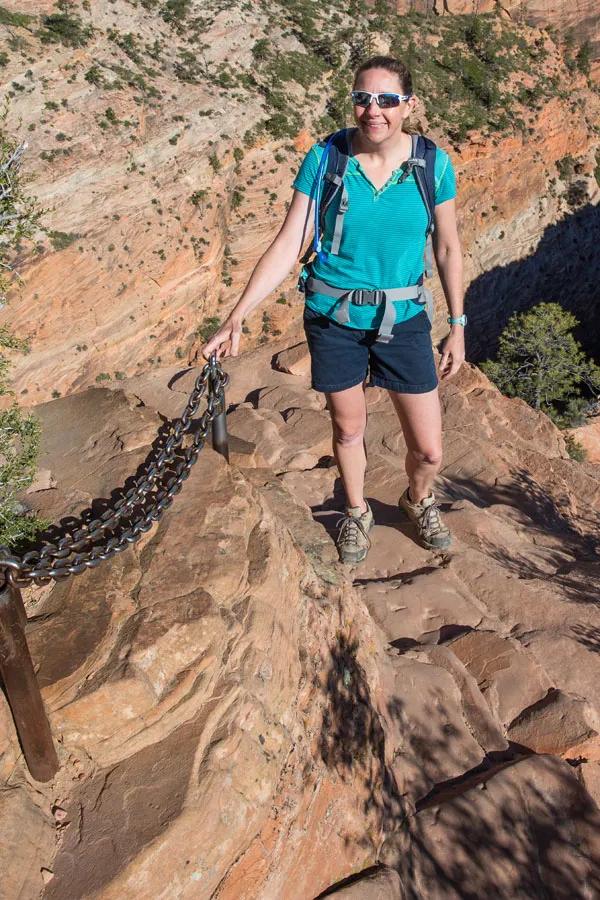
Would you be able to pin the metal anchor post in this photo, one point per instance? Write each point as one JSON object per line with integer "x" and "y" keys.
{"x": 22, "y": 688}
{"x": 219, "y": 423}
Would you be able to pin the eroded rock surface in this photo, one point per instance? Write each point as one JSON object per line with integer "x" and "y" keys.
{"x": 239, "y": 717}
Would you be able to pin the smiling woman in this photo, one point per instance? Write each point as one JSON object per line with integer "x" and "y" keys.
{"x": 364, "y": 312}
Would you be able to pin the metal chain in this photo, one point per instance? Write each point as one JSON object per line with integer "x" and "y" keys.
{"x": 139, "y": 507}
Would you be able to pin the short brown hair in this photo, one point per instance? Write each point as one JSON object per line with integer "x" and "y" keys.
{"x": 390, "y": 64}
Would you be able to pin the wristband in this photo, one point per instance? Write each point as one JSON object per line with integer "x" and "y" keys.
{"x": 457, "y": 320}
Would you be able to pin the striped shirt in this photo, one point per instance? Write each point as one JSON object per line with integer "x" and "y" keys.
{"x": 383, "y": 238}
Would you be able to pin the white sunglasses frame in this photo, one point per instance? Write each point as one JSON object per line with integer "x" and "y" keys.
{"x": 402, "y": 98}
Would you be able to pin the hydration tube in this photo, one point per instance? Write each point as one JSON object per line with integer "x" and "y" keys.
{"x": 317, "y": 248}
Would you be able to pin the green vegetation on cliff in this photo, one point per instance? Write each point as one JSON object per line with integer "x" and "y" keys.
{"x": 19, "y": 433}
{"x": 472, "y": 72}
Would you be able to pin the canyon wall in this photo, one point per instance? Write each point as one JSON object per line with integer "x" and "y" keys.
{"x": 160, "y": 199}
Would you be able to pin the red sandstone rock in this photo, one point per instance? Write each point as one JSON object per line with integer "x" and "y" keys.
{"x": 381, "y": 884}
{"x": 589, "y": 437}
{"x": 224, "y": 696}
{"x": 507, "y": 676}
{"x": 295, "y": 360}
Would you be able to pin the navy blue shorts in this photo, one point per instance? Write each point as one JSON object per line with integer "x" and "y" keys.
{"x": 341, "y": 357}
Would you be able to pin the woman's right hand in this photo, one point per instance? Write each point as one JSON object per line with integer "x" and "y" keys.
{"x": 226, "y": 341}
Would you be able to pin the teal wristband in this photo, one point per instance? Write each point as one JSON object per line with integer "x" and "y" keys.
{"x": 460, "y": 320}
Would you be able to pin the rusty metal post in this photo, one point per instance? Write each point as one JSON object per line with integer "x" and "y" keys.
{"x": 219, "y": 423}
{"x": 22, "y": 688}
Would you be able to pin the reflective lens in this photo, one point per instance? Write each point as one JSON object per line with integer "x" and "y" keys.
{"x": 384, "y": 101}
{"x": 387, "y": 100}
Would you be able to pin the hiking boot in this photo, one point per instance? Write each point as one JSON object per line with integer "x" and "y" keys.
{"x": 432, "y": 532}
{"x": 352, "y": 540}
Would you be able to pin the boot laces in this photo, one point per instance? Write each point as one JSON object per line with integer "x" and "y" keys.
{"x": 431, "y": 520}
{"x": 349, "y": 529}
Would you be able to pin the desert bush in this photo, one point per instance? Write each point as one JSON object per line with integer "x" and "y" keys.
{"x": 19, "y": 432}
{"x": 64, "y": 28}
{"x": 540, "y": 361}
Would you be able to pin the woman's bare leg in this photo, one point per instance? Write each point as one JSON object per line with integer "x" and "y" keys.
{"x": 421, "y": 420}
{"x": 348, "y": 410}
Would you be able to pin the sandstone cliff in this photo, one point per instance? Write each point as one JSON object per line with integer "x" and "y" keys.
{"x": 162, "y": 192}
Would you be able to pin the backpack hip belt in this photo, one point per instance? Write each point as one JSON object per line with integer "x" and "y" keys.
{"x": 362, "y": 297}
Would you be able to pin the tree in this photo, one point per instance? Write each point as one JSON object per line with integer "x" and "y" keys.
{"x": 540, "y": 361}
{"x": 583, "y": 58}
{"x": 19, "y": 433}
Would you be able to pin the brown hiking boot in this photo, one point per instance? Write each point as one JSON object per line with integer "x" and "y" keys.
{"x": 432, "y": 532}
{"x": 352, "y": 540}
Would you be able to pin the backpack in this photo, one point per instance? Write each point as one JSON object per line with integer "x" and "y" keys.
{"x": 330, "y": 180}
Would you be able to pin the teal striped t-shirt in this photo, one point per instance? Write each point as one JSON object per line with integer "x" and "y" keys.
{"x": 383, "y": 238}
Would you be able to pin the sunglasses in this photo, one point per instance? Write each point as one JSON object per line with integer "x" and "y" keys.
{"x": 384, "y": 100}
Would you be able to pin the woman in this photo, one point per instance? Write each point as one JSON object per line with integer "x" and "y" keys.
{"x": 381, "y": 248}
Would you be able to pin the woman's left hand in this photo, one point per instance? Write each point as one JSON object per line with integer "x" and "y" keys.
{"x": 453, "y": 353}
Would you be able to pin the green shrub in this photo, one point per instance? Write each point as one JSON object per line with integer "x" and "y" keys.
{"x": 198, "y": 197}
{"x": 127, "y": 43}
{"x": 63, "y": 28}
{"x": 175, "y": 11}
{"x": 261, "y": 49}
{"x": 14, "y": 20}
{"x": 575, "y": 449}
{"x": 19, "y": 432}
{"x": 540, "y": 361}
{"x": 566, "y": 167}
{"x": 94, "y": 75}
{"x": 60, "y": 240}
{"x": 207, "y": 328}
{"x": 583, "y": 59}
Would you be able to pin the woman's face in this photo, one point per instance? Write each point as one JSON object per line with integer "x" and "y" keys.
{"x": 377, "y": 125}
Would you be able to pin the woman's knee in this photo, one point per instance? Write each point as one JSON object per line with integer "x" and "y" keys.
{"x": 430, "y": 456}
{"x": 348, "y": 433}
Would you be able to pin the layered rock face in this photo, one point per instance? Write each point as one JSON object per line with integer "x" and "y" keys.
{"x": 238, "y": 716}
{"x": 156, "y": 222}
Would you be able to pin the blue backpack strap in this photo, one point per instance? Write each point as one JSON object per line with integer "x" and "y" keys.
{"x": 329, "y": 181}
{"x": 333, "y": 182}
{"x": 422, "y": 165}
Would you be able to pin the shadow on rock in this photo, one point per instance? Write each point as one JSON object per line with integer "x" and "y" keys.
{"x": 527, "y": 832}
{"x": 352, "y": 739}
{"x": 548, "y": 516}
{"x": 564, "y": 268}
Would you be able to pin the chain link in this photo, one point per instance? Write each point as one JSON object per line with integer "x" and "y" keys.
{"x": 135, "y": 512}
